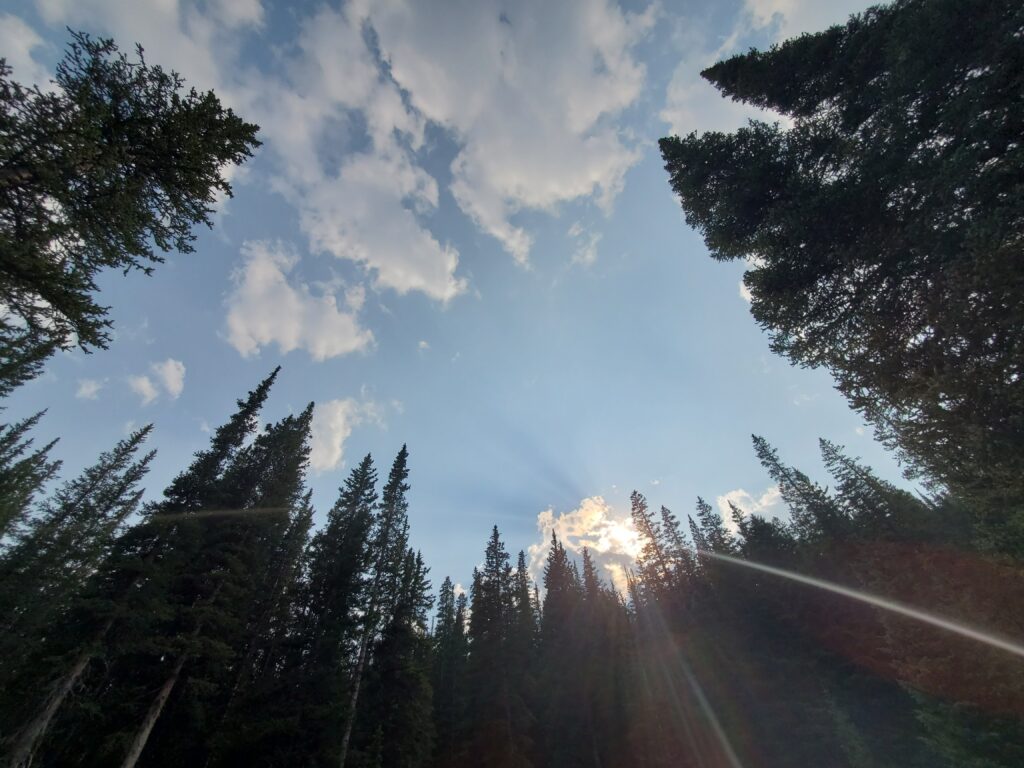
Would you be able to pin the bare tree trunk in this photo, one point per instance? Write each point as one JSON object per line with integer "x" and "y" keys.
{"x": 155, "y": 709}
{"x": 27, "y": 741}
{"x": 357, "y": 681}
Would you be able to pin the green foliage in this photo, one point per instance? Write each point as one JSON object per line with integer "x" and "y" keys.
{"x": 23, "y": 471}
{"x": 883, "y": 227}
{"x": 115, "y": 165}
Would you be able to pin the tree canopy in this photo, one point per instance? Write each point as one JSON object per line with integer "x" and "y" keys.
{"x": 882, "y": 222}
{"x": 111, "y": 168}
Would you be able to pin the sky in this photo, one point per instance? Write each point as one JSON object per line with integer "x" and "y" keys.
{"x": 457, "y": 234}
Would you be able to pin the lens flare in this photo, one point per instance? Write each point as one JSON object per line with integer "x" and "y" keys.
{"x": 949, "y": 625}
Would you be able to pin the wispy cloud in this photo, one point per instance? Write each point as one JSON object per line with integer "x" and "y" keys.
{"x": 144, "y": 387}
{"x": 89, "y": 389}
{"x": 171, "y": 375}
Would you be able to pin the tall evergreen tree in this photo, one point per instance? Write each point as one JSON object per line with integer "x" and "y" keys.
{"x": 115, "y": 162}
{"x": 884, "y": 226}
{"x": 397, "y": 706}
{"x": 121, "y": 590}
{"x": 387, "y": 552}
{"x": 500, "y": 721}
{"x": 62, "y": 545}
{"x": 23, "y": 471}
{"x": 450, "y": 650}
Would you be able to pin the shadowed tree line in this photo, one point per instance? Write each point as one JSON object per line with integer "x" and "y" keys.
{"x": 215, "y": 626}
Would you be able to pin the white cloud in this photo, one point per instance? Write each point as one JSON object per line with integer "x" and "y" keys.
{"x": 530, "y": 91}
{"x": 238, "y": 13}
{"x": 586, "y": 245}
{"x": 171, "y": 375}
{"x": 88, "y": 389}
{"x": 333, "y": 422}
{"x": 265, "y": 307}
{"x": 423, "y": 345}
{"x": 608, "y": 534}
{"x": 366, "y": 206}
{"x": 144, "y": 387}
{"x": 17, "y": 42}
{"x": 768, "y": 504}
{"x": 533, "y": 98}
{"x": 745, "y": 292}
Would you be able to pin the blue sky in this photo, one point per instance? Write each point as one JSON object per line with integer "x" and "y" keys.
{"x": 458, "y": 234}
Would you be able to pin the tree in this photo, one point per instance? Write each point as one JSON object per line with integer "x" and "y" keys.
{"x": 397, "y": 710}
{"x": 23, "y": 472}
{"x": 330, "y": 603}
{"x": 883, "y": 228}
{"x": 119, "y": 593}
{"x": 499, "y": 719}
{"x": 115, "y": 165}
{"x": 62, "y": 545}
{"x": 448, "y": 673}
{"x": 388, "y": 545}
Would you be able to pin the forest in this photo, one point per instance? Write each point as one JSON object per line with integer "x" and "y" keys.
{"x": 876, "y": 624}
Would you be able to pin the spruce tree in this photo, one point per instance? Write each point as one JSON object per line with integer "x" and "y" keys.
{"x": 387, "y": 552}
{"x": 61, "y": 546}
{"x": 500, "y": 721}
{"x": 126, "y": 590}
{"x": 883, "y": 226}
{"x": 114, "y": 165}
{"x": 23, "y": 472}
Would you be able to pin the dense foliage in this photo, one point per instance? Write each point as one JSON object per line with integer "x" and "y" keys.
{"x": 216, "y": 626}
{"x": 113, "y": 165}
{"x": 883, "y": 227}
{"x": 212, "y": 627}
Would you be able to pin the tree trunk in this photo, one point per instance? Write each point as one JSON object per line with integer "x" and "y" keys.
{"x": 155, "y": 709}
{"x": 31, "y": 735}
{"x": 346, "y": 735}
{"x": 24, "y": 748}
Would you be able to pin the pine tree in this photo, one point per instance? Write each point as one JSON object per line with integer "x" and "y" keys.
{"x": 330, "y": 603}
{"x": 120, "y": 592}
{"x": 62, "y": 545}
{"x": 224, "y": 594}
{"x": 500, "y": 721}
{"x": 116, "y": 161}
{"x": 450, "y": 650}
{"x": 387, "y": 551}
{"x": 23, "y": 472}
{"x": 884, "y": 226}
{"x": 398, "y": 700}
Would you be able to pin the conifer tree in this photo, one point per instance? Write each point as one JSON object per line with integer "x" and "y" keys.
{"x": 398, "y": 699}
{"x": 500, "y": 721}
{"x": 115, "y": 163}
{"x": 328, "y": 621}
{"x": 450, "y": 650}
{"x": 387, "y": 551}
{"x": 62, "y": 545}
{"x": 23, "y": 471}
{"x": 119, "y": 592}
{"x": 884, "y": 226}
